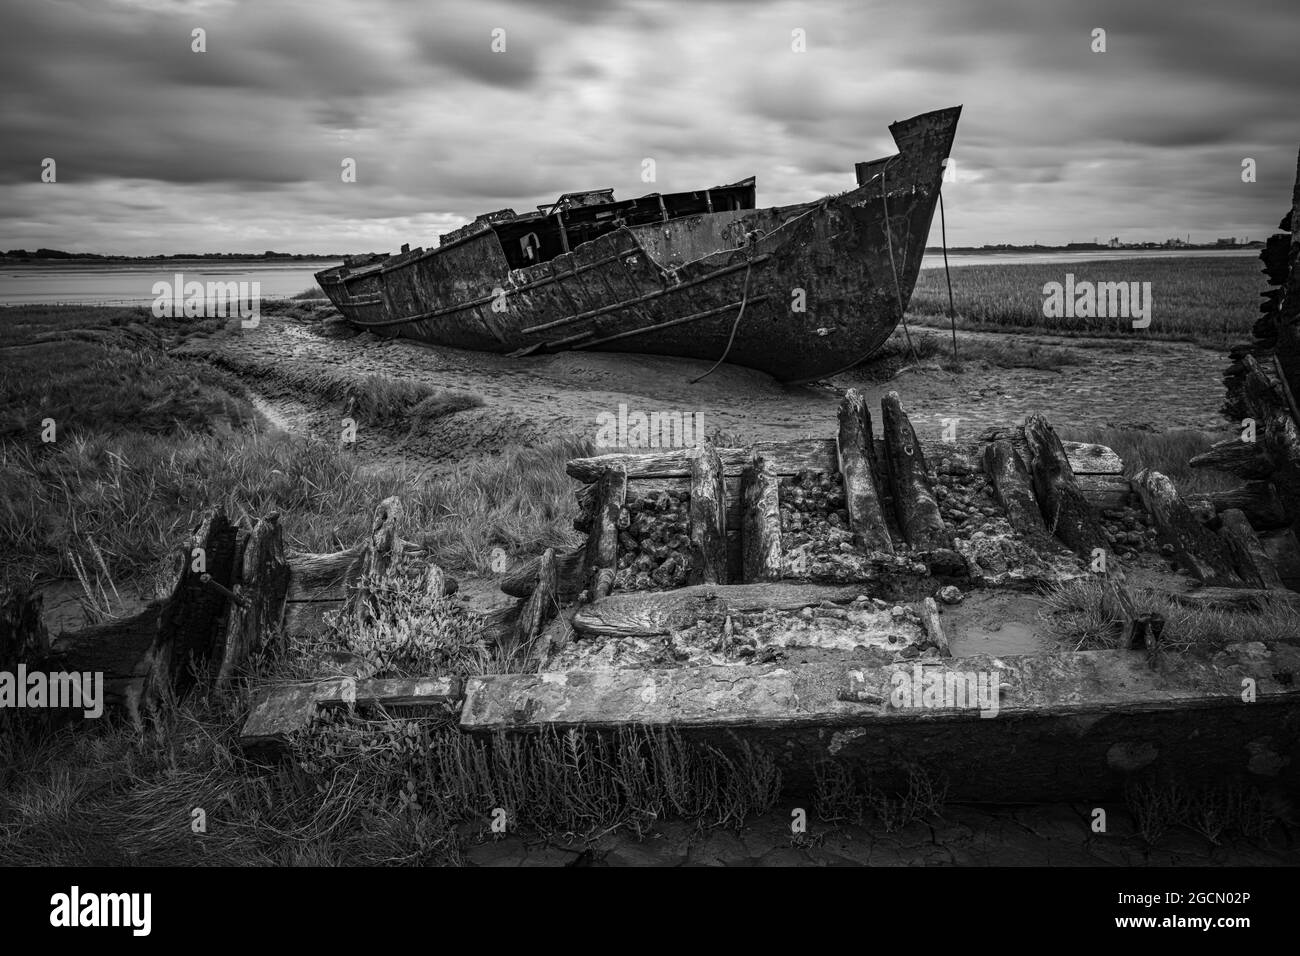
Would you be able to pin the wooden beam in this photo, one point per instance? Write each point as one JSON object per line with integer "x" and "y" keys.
{"x": 761, "y": 524}
{"x": 1011, "y": 486}
{"x": 260, "y": 585}
{"x": 856, "y": 449}
{"x": 708, "y": 510}
{"x": 1233, "y": 598}
{"x": 1252, "y": 561}
{"x": 1237, "y": 457}
{"x": 192, "y": 620}
{"x": 540, "y": 606}
{"x": 1105, "y": 492}
{"x": 1258, "y": 500}
{"x": 1196, "y": 548}
{"x": 323, "y": 577}
{"x": 914, "y": 501}
{"x": 1066, "y": 512}
{"x": 280, "y": 710}
{"x": 928, "y": 610}
{"x": 811, "y": 454}
{"x": 520, "y": 581}
{"x": 601, "y": 554}
{"x": 564, "y": 232}
{"x": 1283, "y": 549}
{"x": 655, "y": 613}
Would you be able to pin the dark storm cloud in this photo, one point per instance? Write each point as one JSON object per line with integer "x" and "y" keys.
{"x": 240, "y": 147}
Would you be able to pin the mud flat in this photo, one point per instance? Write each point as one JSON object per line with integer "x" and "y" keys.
{"x": 530, "y": 398}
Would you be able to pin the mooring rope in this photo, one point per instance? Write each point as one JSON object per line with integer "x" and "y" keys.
{"x": 744, "y": 298}
{"x": 889, "y": 243}
{"x": 952, "y": 312}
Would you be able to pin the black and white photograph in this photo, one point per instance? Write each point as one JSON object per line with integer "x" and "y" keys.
{"x": 650, "y": 434}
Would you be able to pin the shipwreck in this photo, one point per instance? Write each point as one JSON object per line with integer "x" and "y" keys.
{"x": 799, "y": 291}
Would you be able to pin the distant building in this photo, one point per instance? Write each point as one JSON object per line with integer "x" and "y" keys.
{"x": 1114, "y": 242}
{"x": 1232, "y": 241}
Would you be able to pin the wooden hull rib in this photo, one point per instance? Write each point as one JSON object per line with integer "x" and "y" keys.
{"x": 822, "y": 284}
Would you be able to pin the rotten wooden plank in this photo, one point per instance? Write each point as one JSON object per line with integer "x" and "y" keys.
{"x": 1236, "y": 457}
{"x": 653, "y": 613}
{"x": 1039, "y": 686}
{"x": 260, "y": 585}
{"x": 283, "y": 709}
{"x": 1196, "y": 548}
{"x": 914, "y": 502}
{"x": 761, "y": 525}
{"x": 1234, "y": 599}
{"x": 540, "y": 606}
{"x": 520, "y": 581}
{"x": 1011, "y": 486}
{"x": 813, "y": 454}
{"x": 1251, "y": 560}
{"x": 323, "y": 577}
{"x": 1065, "y": 510}
{"x": 857, "y": 460}
{"x": 1106, "y": 492}
{"x": 1257, "y": 499}
{"x": 1283, "y": 550}
{"x": 708, "y": 510}
{"x": 601, "y": 554}
{"x": 928, "y": 610}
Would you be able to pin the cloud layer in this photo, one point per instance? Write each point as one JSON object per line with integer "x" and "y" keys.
{"x": 160, "y": 149}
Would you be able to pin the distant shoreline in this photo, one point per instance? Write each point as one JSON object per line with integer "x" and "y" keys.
{"x": 1087, "y": 248}
{"x": 90, "y": 259}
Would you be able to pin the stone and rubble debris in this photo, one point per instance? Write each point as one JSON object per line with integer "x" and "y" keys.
{"x": 654, "y": 542}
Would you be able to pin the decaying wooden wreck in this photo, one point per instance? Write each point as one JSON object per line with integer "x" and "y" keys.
{"x": 700, "y": 274}
{"x": 785, "y": 592}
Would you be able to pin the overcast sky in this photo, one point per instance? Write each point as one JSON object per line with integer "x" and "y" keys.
{"x": 160, "y": 149}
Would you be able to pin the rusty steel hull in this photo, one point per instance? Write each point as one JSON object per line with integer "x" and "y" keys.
{"x": 821, "y": 284}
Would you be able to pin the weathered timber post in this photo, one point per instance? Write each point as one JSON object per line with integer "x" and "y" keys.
{"x": 928, "y": 609}
{"x": 708, "y": 509}
{"x": 260, "y": 586}
{"x": 1064, "y": 508}
{"x": 192, "y": 621}
{"x": 856, "y": 449}
{"x": 539, "y": 607}
{"x": 914, "y": 501}
{"x": 1009, "y": 476}
{"x": 761, "y": 522}
{"x": 1196, "y": 547}
{"x": 601, "y": 557}
{"x": 1252, "y": 561}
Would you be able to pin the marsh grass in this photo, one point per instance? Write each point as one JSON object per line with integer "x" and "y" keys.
{"x": 111, "y": 379}
{"x": 1211, "y": 301}
{"x": 931, "y": 350}
{"x": 134, "y": 496}
{"x": 146, "y": 442}
{"x": 1086, "y": 615}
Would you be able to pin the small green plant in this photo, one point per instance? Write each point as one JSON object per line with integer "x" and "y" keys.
{"x": 1210, "y": 810}
{"x": 924, "y": 798}
{"x": 836, "y": 796}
